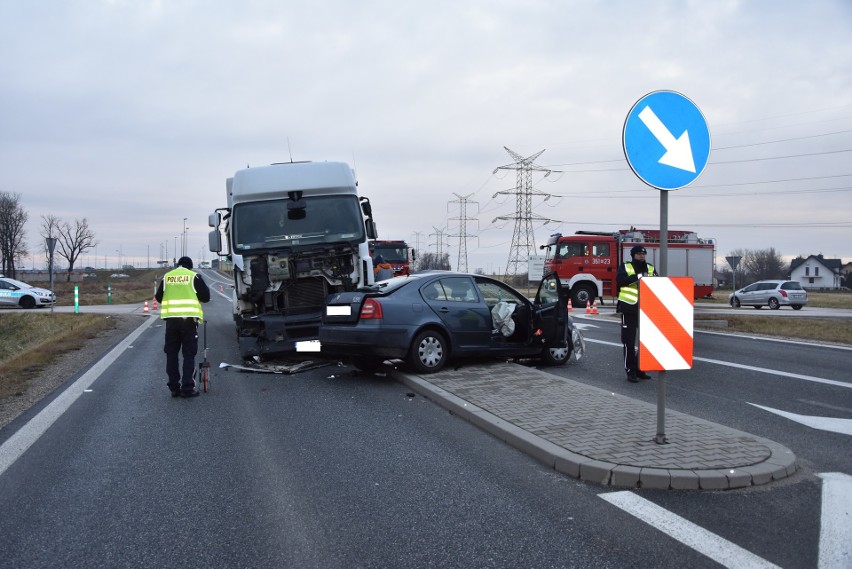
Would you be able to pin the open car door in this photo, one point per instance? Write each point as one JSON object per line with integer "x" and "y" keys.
{"x": 552, "y": 312}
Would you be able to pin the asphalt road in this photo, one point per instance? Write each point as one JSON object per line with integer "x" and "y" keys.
{"x": 328, "y": 468}
{"x": 730, "y": 378}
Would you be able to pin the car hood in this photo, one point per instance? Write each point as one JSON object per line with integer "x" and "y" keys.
{"x": 40, "y": 291}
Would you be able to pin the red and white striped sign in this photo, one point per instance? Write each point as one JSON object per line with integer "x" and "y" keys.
{"x": 665, "y": 323}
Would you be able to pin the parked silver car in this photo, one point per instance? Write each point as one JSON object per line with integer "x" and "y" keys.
{"x": 773, "y": 294}
{"x": 17, "y": 293}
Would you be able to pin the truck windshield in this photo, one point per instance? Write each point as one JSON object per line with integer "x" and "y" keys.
{"x": 390, "y": 253}
{"x": 270, "y": 224}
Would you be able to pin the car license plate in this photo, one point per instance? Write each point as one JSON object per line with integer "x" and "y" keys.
{"x": 338, "y": 310}
{"x": 308, "y": 346}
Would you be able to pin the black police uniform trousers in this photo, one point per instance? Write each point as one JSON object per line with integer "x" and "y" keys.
{"x": 629, "y": 326}
{"x": 181, "y": 336}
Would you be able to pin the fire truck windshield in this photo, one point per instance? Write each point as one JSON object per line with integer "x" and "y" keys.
{"x": 390, "y": 254}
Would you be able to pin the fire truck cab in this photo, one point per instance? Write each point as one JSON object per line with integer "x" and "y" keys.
{"x": 587, "y": 262}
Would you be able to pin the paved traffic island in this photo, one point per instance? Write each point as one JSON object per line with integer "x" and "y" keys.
{"x": 599, "y": 436}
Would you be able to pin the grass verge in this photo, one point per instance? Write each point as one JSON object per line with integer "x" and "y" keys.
{"x": 139, "y": 286}
{"x": 33, "y": 341}
{"x": 835, "y": 330}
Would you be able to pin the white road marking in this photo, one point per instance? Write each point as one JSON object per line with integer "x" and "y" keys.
{"x": 831, "y": 424}
{"x": 768, "y": 371}
{"x": 835, "y": 535}
{"x": 26, "y": 436}
{"x": 707, "y": 543}
{"x": 778, "y": 372}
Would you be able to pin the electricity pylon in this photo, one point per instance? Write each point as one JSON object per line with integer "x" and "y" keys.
{"x": 461, "y": 263}
{"x": 523, "y": 238}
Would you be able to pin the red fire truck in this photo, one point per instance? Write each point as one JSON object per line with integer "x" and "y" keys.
{"x": 393, "y": 252}
{"x": 588, "y": 261}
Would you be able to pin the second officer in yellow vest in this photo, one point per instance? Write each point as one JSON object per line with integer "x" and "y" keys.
{"x": 180, "y": 295}
{"x": 627, "y": 279}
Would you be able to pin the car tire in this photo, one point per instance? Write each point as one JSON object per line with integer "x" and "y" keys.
{"x": 797, "y": 306}
{"x": 429, "y": 352}
{"x": 556, "y": 356}
{"x": 735, "y": 302}
{"x": 774, "y": 304}
{"x": 27, "y": 302}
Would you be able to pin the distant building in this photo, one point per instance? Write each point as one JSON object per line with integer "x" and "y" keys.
{"x": 817, "y": 272}
{"x": 846, "y": 271}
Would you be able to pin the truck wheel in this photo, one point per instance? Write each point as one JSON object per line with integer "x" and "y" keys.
{"x": 580, "y": 295}
{"x": 428, "y": 352}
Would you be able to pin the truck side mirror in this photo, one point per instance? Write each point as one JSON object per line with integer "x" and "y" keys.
{"x": 213, "y": 219}
{"x": 214, "y": 240}
{"x": 372, "y": 232}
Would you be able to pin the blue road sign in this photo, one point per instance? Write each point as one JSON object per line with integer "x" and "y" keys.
{"x": 666, "y": 140}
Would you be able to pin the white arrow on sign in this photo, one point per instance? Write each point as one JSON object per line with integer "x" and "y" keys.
{"x": 678, "y": 150}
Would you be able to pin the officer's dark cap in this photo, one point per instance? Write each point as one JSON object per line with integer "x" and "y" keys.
{"x": 185, "y": 262}
{"x": 637, "y": 249}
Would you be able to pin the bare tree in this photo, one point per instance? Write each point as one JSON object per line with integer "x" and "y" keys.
{"x": 12, "y": 221}
{"x": 73, "y": 240}
{"x": 427, "y": 261}
{"x": 759, "y": 264}
{"x": 49, "y": 228}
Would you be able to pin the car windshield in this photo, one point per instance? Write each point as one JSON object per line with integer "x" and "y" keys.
{"x": 272, "y": 224}
{"x": 18, "y": 284}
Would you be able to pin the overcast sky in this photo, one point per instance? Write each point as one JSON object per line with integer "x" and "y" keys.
{"x": 132, "y": 114}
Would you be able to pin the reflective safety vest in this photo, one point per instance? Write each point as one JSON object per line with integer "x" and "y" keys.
{"x": 179, "y": 298}
{"x": 630, "y": 293}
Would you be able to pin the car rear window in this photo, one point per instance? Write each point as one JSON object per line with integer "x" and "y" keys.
{"x": 792, "y": 285}
{"x": 389, "y": 285}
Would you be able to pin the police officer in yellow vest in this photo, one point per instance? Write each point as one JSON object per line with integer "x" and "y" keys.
{"x": 627, "y": 279}
{"x": 180, "y": 295}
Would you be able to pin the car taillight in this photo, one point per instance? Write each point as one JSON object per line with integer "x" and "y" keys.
{"x": 784, "y": 293}
{"x": 372, "y": 309}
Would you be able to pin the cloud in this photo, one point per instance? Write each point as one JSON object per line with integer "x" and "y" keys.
{"x": 133, "y": 113}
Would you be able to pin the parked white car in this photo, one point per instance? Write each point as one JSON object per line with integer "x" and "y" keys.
{"x": 17, "y": 293}
{"x": 773, "y": 294}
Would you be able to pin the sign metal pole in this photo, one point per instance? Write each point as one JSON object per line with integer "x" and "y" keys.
{"x": 667, "y": 145}
{"x": 660, "y": 439}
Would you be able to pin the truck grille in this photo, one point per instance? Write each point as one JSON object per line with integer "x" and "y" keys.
{"x": 303, "y": 296}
